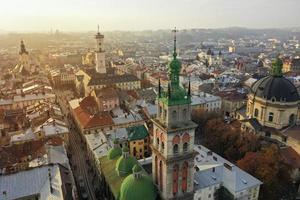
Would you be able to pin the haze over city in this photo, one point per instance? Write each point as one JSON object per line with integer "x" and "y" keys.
{"x": 150, "y": 100}
{"x": 82, "y": 15}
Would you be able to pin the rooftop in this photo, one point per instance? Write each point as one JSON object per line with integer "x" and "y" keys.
{"x": 15, "y": 186}
{"x": 213, "y": 169}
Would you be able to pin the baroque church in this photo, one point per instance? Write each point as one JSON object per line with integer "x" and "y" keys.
{"x": 273, "y": 108}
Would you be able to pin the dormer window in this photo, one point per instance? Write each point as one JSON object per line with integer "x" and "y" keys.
{"x": 273, "y": 99}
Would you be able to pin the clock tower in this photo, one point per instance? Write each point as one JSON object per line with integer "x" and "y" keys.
{"x": 173, "y": 138}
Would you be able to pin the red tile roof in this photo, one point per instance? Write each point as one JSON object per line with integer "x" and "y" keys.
{"x": 88, "y": 101}
{"x": 11, "y": 155}
{"x": 88, "y": 120}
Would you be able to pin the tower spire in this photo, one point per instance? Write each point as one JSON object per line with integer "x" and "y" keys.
{"x": 98, "y": 29}
{"x": 175, "y": 31}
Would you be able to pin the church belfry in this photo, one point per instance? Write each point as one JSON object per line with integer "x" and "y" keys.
{"x": 173, "y": 138}
{"x": 100, "y": 53}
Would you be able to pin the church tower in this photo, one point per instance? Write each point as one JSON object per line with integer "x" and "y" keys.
{"x": 24, "y": 57}
{"x": 173, "y": 138}
{"x": 100, "y": 53}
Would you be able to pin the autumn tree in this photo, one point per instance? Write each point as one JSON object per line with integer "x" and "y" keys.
{"x": 268, "y": 166}
{"x": 227, "y": 140}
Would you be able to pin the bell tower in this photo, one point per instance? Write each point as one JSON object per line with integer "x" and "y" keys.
{"x": 100, "y": 53}
{"x": 24, "y": 56}
{"x": 173, "y": 138}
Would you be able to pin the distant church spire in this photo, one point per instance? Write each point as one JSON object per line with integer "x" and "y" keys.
{"x": 23, "y": 48}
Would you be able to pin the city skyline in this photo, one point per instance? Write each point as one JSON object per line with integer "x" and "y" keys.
{"x": 79, "y": 15}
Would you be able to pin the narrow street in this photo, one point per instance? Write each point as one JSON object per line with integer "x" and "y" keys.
{"x": 78, "y": 158}
{"x": 81, "y": 169}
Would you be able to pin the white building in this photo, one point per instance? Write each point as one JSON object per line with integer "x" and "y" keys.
{"x": 215, "y": 176}
{"x": 206, "y": 102}
{"x": 46, "y": 182}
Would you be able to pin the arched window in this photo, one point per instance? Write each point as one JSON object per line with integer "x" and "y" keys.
{"x": 256, "y": 112}
{"x": 160, "y": 175}
{"x": 175, "y": 148}
{"x": 162, "y": 147}
{"x": 134, "y": 151}
{"x": 175, "y": 179}
{"x": 184, "y": 177}
{"x": 174, "y": 115}
{"x": 176, "y": 139}
{"x": 185, "y": 138}
{"x": 157, "y": 141}
{"x": 185, "y": 147}
{"x": 271, "y": 116}
{"x": 175, "y": 142}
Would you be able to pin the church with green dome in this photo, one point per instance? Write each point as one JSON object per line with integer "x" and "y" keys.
{"x": 123, "y": 178}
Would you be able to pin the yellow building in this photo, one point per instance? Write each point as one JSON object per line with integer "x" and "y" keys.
{"x": 138, "y": 139}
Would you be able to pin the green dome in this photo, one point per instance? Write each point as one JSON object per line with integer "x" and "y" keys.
{"x": 124, "y": 165}
{"x": 134, "y": 188}
{"x": 114, "y": 153}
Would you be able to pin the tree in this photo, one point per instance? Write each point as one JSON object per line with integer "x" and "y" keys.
{"x": 228, "y": 141}
{"x": 268, "y": 166}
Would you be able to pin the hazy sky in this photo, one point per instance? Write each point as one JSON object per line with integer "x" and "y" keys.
{"x": 83, "y": 15}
